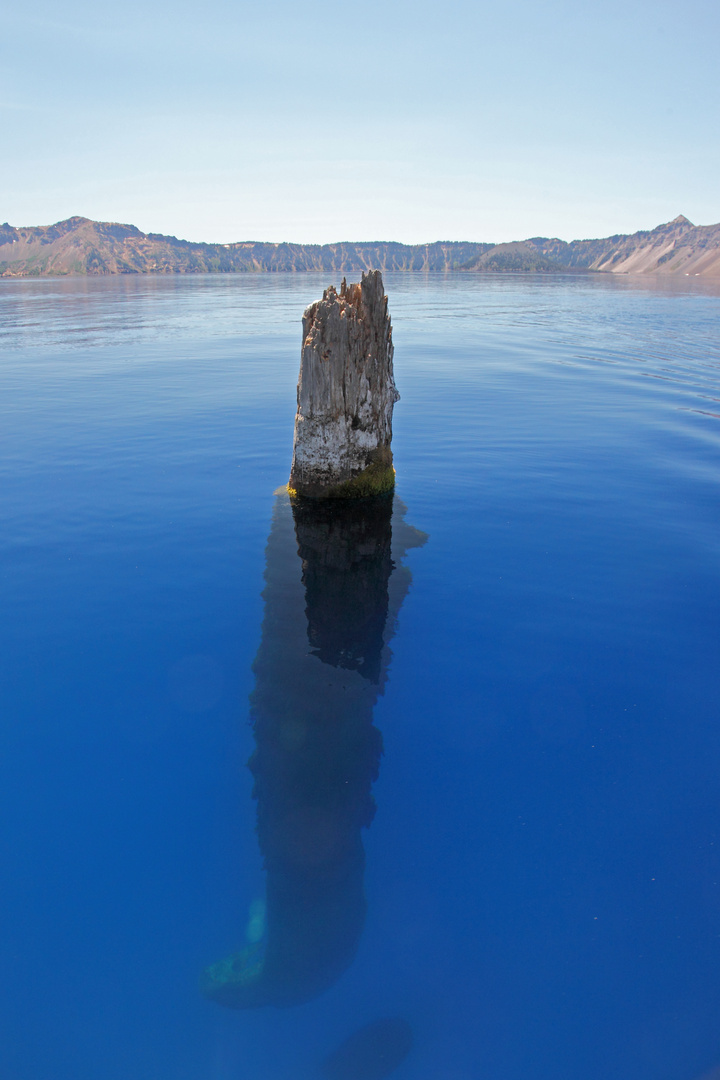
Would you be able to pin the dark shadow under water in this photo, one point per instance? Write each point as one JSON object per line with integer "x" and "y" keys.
{"x": 334, "y": 585}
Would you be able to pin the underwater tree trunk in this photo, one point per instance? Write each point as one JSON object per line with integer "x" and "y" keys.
{"x": 334, "y": 584}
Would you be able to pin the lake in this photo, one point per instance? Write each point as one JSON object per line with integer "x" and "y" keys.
{"x": 540, "y": 893}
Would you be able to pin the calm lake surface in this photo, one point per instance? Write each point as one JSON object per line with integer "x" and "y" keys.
{"x": 543, "y": 869}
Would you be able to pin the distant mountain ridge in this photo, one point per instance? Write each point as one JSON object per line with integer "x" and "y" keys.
{"x": 81, "y": 246}
{"x": 677, "y": 247}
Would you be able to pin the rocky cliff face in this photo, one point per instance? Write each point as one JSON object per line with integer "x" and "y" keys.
{"x": 81, "y": 246}
{"x": 346, "y": 393}
{"x": 677, "y": 247}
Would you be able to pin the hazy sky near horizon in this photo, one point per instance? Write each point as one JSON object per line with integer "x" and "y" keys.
{"x": 377, "y": 121}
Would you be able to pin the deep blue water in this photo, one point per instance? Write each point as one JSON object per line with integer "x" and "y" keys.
{"x": 543, "y": 870}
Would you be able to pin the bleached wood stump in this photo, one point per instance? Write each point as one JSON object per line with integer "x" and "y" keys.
{"x": 346, "y": 393}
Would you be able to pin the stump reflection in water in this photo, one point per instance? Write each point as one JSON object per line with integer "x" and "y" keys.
{"x": 321, "y": 664}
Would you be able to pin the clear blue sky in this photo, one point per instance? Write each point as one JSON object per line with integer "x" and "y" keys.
{"x": 375, "y": 120}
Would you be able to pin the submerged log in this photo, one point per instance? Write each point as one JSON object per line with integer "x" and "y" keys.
{"x": 346, "y": 393}
{"x": 334, "y": 585}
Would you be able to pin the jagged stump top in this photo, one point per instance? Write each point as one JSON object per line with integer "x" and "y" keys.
{"x": 346, "y": 393}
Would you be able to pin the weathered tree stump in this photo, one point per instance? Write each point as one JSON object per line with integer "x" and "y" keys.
{"x": 346, "y": 393}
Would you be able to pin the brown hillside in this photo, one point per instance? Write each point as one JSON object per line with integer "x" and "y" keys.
{"x": 514, "y": 258}
{"x": 81, "y": 246}
{"x": 677, "y": 247}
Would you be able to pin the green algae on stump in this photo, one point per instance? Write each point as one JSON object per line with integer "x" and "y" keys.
{"x": 346, "y": 393}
